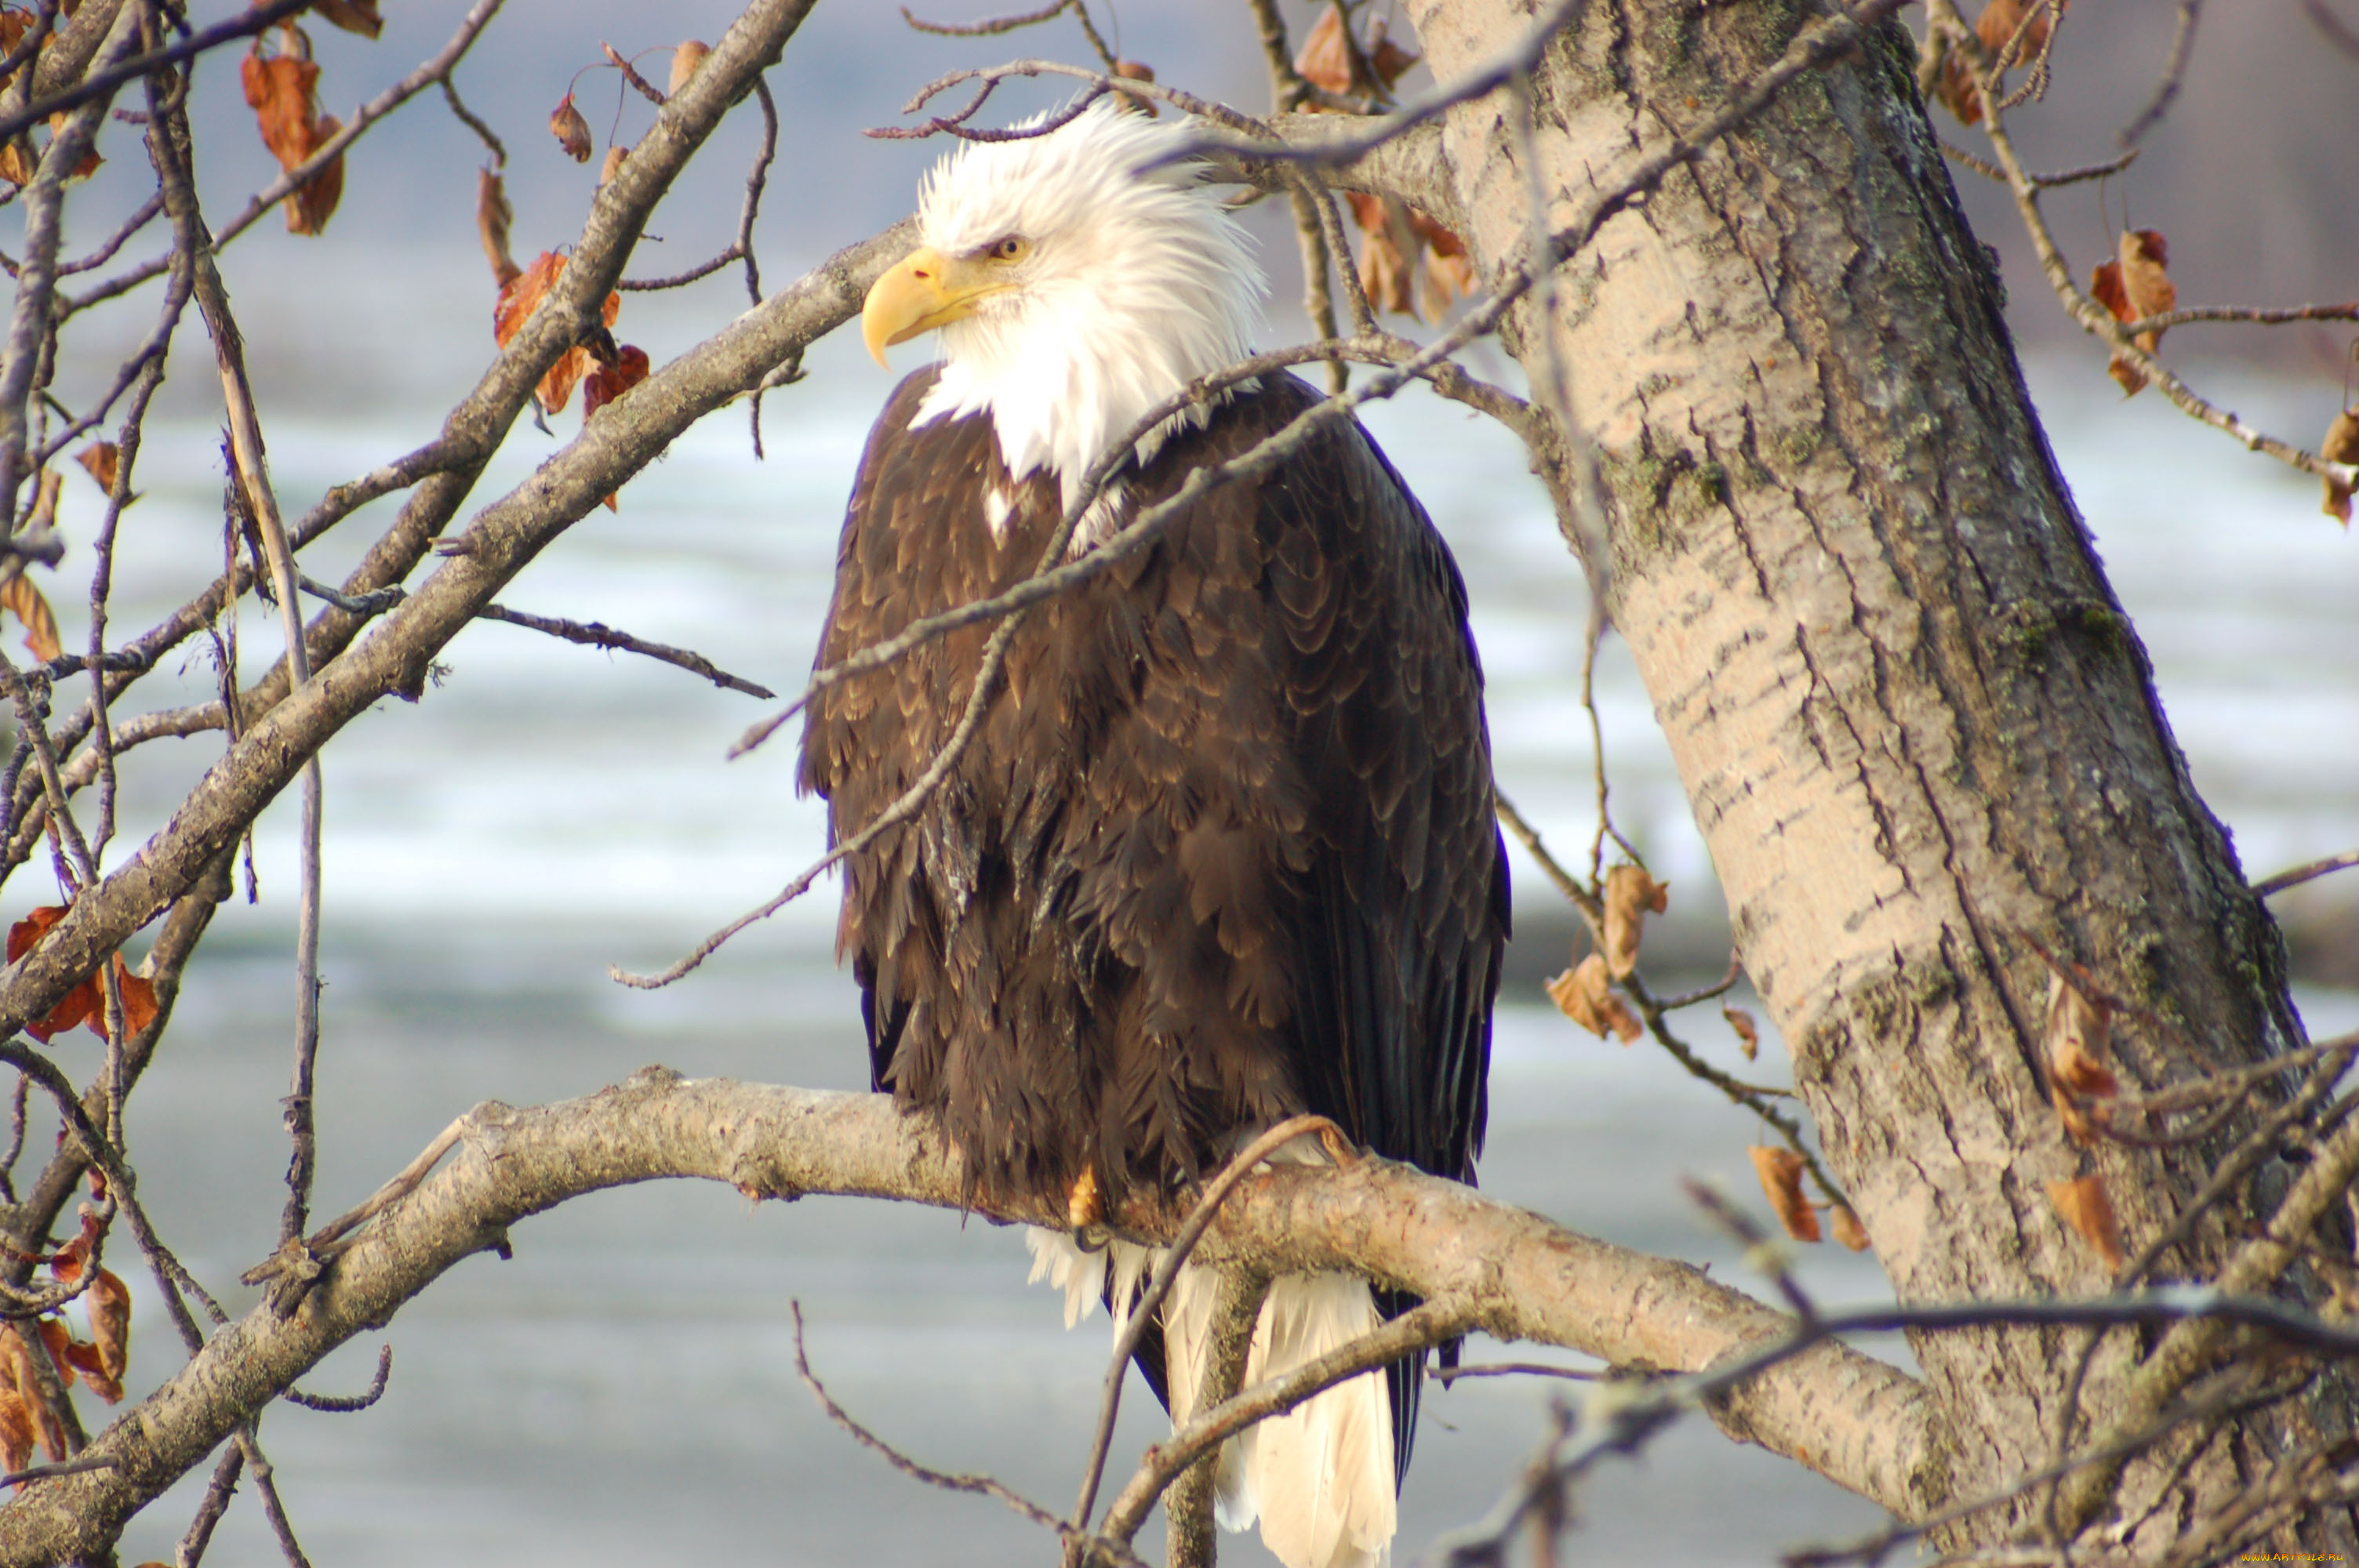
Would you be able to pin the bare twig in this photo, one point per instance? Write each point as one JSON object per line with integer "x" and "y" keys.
{"x": 597, "y": 635}
{"x": 252, "y": 476}
{"x": 989, "y": 27}
{"x": 980, "y": 1486}
{"x": 1143, "y": 1313}
{"x": 474, "y": 123}
{"x": 345, "y": 1404}
{"x": 86, "y": 1463}
{"x": 1446, "y": 1375}
{"x": 1421, "y": 1328}
{"x": 2310, "y": 873}
{"x": 218, "y": 1493}
{"x": 2174, "y": 72}
{"x": 265, "y": 1486}
{"x": 645, "y": 89}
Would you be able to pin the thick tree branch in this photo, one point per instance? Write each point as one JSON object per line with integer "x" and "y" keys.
{"x": 1856, "y": 1420}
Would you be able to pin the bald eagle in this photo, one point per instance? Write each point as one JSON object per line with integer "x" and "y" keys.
{"x": 1222, "y": 851}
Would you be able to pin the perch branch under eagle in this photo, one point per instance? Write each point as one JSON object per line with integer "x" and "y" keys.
{"x": 1222, "y": 851}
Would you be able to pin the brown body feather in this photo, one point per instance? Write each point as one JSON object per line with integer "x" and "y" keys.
{"x": 1224, "y": 850}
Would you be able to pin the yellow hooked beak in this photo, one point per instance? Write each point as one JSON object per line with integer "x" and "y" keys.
{"x": 927, "y": 291}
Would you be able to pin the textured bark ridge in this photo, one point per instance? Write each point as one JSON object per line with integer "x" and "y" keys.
{"x": 1914, "y": 723}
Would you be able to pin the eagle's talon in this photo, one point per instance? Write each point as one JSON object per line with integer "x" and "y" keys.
{"x": 1085, "y": 1205}
{"x": 1339, "y": 1149}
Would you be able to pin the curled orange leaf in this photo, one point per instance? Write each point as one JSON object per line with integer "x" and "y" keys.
{"x": 2084, "y": 1206}
{"x": 2341, "y": 446}
{"x": 1585, "y": 994}
{"x": 572, "y": 131}
{"x": 1780, "y": 1170}
{"x": 1630, "y": 895}
{"x": 1848, "y": 1228}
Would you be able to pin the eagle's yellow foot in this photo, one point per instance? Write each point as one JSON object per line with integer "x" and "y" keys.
{"x": 1085, "y": 1205}
{"x": 1339, "y": 1148}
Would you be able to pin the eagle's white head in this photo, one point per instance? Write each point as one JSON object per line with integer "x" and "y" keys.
{"x": 1075, "y": 287}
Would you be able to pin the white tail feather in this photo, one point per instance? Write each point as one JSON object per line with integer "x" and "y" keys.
{"x": 1320, "y": 1477}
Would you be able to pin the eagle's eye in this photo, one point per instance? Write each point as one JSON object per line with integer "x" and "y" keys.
{"x": 1014, "y": 248}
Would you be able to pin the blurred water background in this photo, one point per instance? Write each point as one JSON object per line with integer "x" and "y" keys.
{"x": 624, "y": 1391}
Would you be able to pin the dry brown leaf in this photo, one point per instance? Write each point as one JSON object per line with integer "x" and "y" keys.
{"x": 46, "y": 491}
{"x": 515, "y": 305}
{"x": 1388, "y": 252}
{"x": 2145, "y": 285}
{"x": 493, "y": 215}
{"x": 1325, "y": 59}
{"x": 352, "y": 16}
{"x": 2000, "y": 21}
{"x": 609, "y": 382}
{"x": 46, "y": 1428}
{"x": 1385, "y": 274}
{"x": 1322, "y": 61}
{"x": 17, "y": 162}
{"x": 18, "y": 596}
{"x": 1957, "y": 90}
{"x": 87, "y": 1361}
{"x": 2133, "y": 287}
{"x": 612, "y": 164}
{"x": 684, "y": 62}
{"x": 1848, "y": 1228}
{"x": 556, "y": 388}
{"x": 108, "y": 1302}
{"x": 2106, "y": 288}
{"x": 1386, "y": 58}
{"x": 1585, "y": 994}
{"x": 314, "y": 201}
{"x": 16, "y": 1433}
{"x": 86, "y": 1003}
{"x": 1630, "y": 895}
{"x": 282, "y": 90}
{"x": 1748, "y": 1034}
{"x": 140, "y": 1005}
{"x": 572, "y": 131}
{"x": 89, "y": 160}
{"x": 1131, "y": 103}
{"x": 1780, "y": 1170}
{"x": 66, "y": 1265}
{"x": 1448, "y": 270}
{"x": 521, "y": 295}
{"x": 54, "y": 1336}
{"x": 15, "y": 21}
{"x": 101, "y": 461}
{"x": 2341, "y": 446}
{"x": 2078, "y": 1032}
{"x": 278, "y": 88}
{"x": 2084, "y": 1207}
{"x": 72, "y": 1008}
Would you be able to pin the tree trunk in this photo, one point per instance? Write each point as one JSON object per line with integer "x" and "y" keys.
{"x": 1918, "y": 733}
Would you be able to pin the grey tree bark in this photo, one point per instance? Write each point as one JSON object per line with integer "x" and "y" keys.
{"x": 1917, "y": 732}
